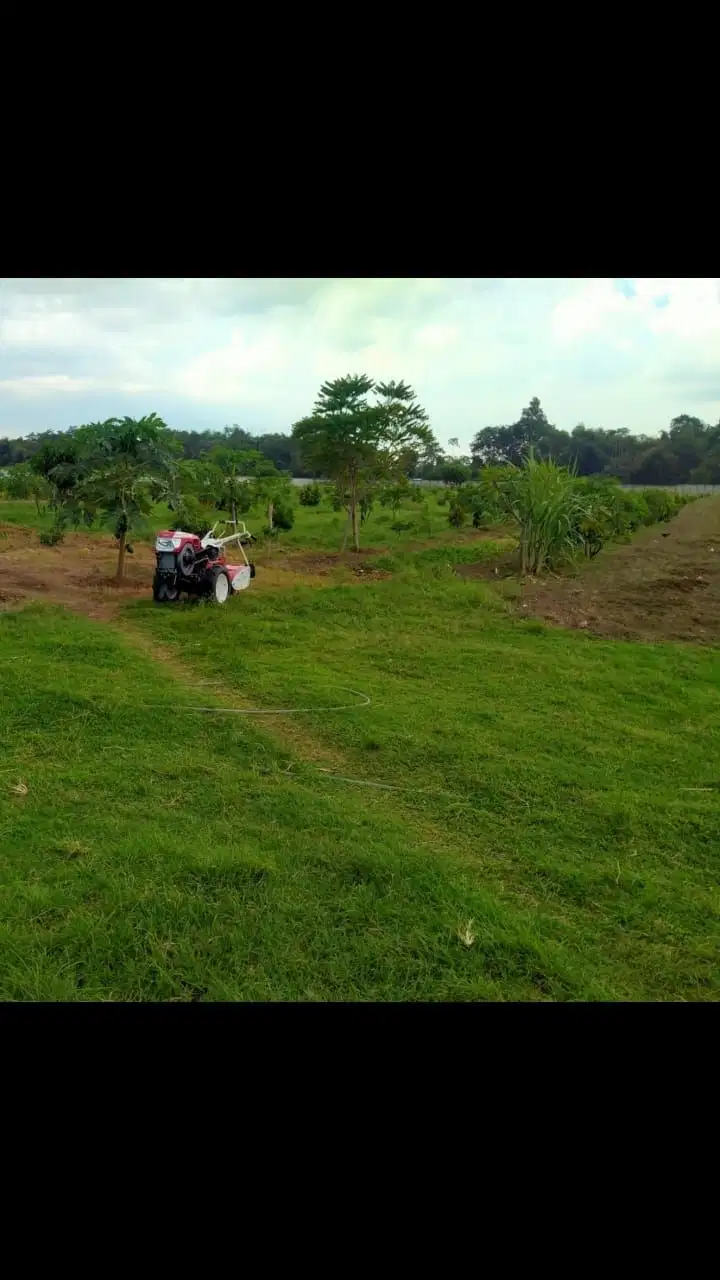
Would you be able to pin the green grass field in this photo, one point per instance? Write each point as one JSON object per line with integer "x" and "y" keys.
{"x": 25, "y": 514}
{"x": 322, "y": 529}
{"x": 511, "y": 818}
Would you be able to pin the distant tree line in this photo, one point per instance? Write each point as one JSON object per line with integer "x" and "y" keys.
{"x": 279, "y": 449}
{"x": 687, "y": 453}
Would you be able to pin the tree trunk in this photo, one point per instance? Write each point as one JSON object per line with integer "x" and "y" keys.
{"x": 234, "y": 512}
{"x": 345, "y": 535}
{"x": 121, "y": 558}
{"x": 354, "y": 518}
{"x": 271, "y": 508}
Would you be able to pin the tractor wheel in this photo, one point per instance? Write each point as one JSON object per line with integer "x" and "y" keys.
{"x": 186, "y": 560}
{"x": 218, "y": 585}
{"x": 163, "y": 591}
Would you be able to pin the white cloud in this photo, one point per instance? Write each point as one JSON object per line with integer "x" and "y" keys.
{"x": 48, "y": 384}
{"x": 681, "y": 308}
{"x": 588, "y": 311}
{"x": 231, "y": 371}
{"x": 437, "y": 335}
{"x": 210, "y": 351}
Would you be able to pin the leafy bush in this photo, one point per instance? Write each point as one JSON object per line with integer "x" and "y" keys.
{"x": 661, "y": 504}
{"x": 52, "y": 537}
{"x": 20, "y": 483}
{"x": 478, "y": 500}
{"x": 16, "y": 482}
{"x": 310, "y": 495}
{"x": 395, "y": 493}
{"x": 629, "y": 511}
{"x": 456, "y": 515}
{"x": 283, "y": 516}
{"x": 189, "y": 514}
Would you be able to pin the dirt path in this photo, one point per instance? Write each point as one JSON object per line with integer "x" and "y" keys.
{"x": 664, "y": 585}
{"x": 288, "y": 732}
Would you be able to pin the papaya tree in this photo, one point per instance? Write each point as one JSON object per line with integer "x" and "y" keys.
{"x": 127, "y": 466}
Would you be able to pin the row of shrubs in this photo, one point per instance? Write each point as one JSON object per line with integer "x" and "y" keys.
{"x": 558, "y": 515}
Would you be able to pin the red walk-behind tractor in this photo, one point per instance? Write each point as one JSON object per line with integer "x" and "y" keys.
{"x": 198, "y": 566}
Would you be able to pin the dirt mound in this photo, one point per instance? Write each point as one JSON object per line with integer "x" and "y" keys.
{"x": 664, "y": 585}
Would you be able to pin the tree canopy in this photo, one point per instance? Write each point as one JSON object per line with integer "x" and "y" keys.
{"x": 115, "y": 472}
{"x": 358, "y": 442}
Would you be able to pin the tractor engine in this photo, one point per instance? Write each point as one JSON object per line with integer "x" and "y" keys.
{"x": 181, "y": 562}
{"x": 185, "y": 562}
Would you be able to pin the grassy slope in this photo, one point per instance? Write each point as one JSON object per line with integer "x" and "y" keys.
{"x": 555, "y": 765}
{"x": 161, "y": 855}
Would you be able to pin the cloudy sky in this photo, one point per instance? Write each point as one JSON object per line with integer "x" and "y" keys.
{"x": 623, "y": 352}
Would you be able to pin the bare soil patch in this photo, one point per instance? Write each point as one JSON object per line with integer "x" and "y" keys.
{"x": 504, "y": 566}
{"x": 78, "y": 573}
{"x": 325, "y": 562}
{"x": 460, "y": 538}
{"x": 664, "y": 585}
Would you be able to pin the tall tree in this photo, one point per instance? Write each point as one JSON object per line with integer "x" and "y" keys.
{"x": 356, "y": 442}
{"x": 708, "y": 472}
{"x": 688, "y": 442}
{"x": 496, "y": 445}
